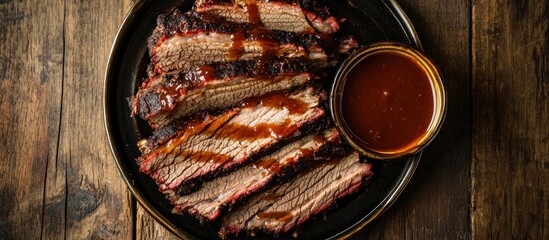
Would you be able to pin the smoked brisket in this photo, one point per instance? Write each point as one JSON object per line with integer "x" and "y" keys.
{"x": 220, "y": 142}
{"x": 281, "y": 208}
{"x": 209, "y": 201}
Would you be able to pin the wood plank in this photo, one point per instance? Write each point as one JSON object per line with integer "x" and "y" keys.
{"x": 31, "y": 65}
{"x": 510, "y": 189}
{"x": 149, "y": 229}
{"x": 86, "y": 198}
{"x": 435, "y": 205}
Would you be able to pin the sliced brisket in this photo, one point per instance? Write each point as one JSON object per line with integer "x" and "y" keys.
{"x": 208, "y": 202}
{"x": 283, "y": 207}
{"x": 183, "y": 41}
{"x": 286, "y": 15}
{"x": 236, "y": 114}
{"x": 165, "y": 98}
{"x": 218, "y": 143}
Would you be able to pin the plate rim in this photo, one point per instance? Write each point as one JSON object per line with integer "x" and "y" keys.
{"x": 389, "y": 199}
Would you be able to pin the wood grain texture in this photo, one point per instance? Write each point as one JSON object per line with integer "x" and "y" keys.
{"x": 97, "y": 202}
{"x": 149, "y": 229}
{"x": 510, "y": 170}
{"x": 435, "y": 205}
{"x": 57, "y": 178}
{"x": 31, "y": 66}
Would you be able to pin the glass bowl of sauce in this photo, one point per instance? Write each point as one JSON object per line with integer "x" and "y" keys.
{"x": 388, "y": 100}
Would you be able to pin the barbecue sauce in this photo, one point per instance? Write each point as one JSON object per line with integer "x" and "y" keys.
{"x": 237, "y": 44}
{"x": 307, "y": 151}
{"x": 202, "y": 74}
{"x": 280, "y": 216}
{"x": 272, "y": 165}
{"x": 176, "y": 86}
{"x": 167, "y": 96}
{"x": 253, "y": 12}
{"x": 256, "y": 31}
{"x": 269, "y": 166}
{"x": 279, "y": 100}
{"x": 202, "y": 156}
{"x": 266, "y": 40}
{"x": 388, "y": 101}
{"x": 194, "y": 126}
{"x": 261, "y": 33}
{"x": 262, "y": 130}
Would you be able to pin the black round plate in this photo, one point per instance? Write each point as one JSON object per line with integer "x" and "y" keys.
{"x": 368, "y": 20}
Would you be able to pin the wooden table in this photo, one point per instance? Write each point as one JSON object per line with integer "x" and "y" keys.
{"x": 486, "y": 176}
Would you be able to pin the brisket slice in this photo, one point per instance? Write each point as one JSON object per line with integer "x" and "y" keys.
{"x": 208, "y": 202}
{"x": 179, "y": 23}
{"x": 291, "y": 16}
{"x": 206, "y": 148}
{"x": 283, "y": 207}
{"x": 165, "y": 98}
{"x": 185, "y": 52}
{"x": 183, "y": 41}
